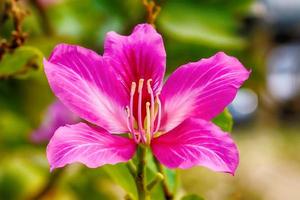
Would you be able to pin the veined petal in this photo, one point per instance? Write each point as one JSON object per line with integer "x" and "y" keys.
{"x": 57, "y": 115}
{"x": 140, "y": 55}
{"x": 91, "y": 146}
{"x": 87, "y": 86}
{"x": 197, "y": 142}
{"x": 201, "y": 89}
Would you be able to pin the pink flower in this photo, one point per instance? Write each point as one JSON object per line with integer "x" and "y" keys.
{"x": 121, "y": 92}
{"x": 57, "y": 115}
{"x": 47, "y": 3}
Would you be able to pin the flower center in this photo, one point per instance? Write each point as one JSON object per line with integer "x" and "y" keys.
{"x": 143, "y": 130}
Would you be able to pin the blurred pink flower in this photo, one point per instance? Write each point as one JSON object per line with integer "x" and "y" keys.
{"x": 57, "y": 115}
{"x": 47, "y": 3}
{"x": 121, "y": 92}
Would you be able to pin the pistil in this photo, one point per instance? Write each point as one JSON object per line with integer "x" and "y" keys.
{"x": 140, "y": 125}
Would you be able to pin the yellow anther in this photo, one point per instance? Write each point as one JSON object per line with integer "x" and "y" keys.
{"x": 149, "y": 85}
{"x": 141, "y": 83}
{"x": 133, "y": 87}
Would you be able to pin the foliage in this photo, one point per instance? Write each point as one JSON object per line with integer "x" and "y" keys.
{"x": 224, "y": 121}
{"x": 192, "y": 197}
{"x": 20, "y": 62}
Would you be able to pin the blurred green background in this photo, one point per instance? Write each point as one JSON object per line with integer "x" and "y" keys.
{"x": 263, "y": 34}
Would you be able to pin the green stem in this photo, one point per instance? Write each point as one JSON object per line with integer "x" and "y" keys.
{"x": 140, "y": 177}
{"x": 132, "y": 168}
{"x": 168, "y": 194}
{"x": 158, "y": 178}
{"x": 54, "y": 178}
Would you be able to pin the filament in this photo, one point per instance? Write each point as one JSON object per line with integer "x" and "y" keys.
{"x": 148, "y": 119}
{"x": 158, "y": 114}
{"x": 129, "y": 125}
{"x": 150, "y": 91}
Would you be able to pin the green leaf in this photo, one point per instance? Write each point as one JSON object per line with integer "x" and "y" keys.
{"x": 171, "y": 179}
{"x": 207, "y": 25}
{"x": 20, "y": 61}
{"x": 121, "y": 175}
{"x": 192, "y": 197}
{"x": 224, "y": 121}
{"x": 91, "y": 184}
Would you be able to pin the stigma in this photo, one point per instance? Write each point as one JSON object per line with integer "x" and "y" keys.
{"x": 143, "y": 130}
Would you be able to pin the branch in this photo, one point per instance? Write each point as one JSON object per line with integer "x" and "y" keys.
{"x": 152, "y": 11}
{"x": 157, "y": 179}
{"x": 12, "y": 9}
{"x": 45, "y": 23}
{"x": 132, "y": 168}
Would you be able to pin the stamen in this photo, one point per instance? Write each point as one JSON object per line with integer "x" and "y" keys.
{"x": 148, "y": 133}
{"x": 133, "y": 87}
{"x": 150, "y": 91}
{"x": 140, "y": 125}
{"x": 158, "y": 113}
{"x": 129, "y": 125}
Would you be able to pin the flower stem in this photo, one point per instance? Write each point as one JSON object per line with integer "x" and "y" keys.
{"x": 140, "y": 176}
{"x": 168, "y": 194}
{"x": 132, "y": 168}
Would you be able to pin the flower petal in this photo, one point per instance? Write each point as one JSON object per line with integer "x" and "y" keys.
{"x": 197, "y": 142}
{"x": 201, "y": 89}
{"x": 87, "y": 86}
{"x": 57, "y": 115}
{"x": 139, "y": 55}
{"x": 88, "y": 145}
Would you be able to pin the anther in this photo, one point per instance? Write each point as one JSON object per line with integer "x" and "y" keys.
{"x": 141, "y": 83}
{"x": 149, "y": 85}
{"x": 133, "y": 87}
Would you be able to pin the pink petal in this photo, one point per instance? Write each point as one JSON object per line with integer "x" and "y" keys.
{"x": 139, "y": 55}
{"x": 57, "y": 115}
{"x": 197, "y": 142}
{"x": 201, "y": 89}
{"x": 87, "y": 86}
{"x": 91, "y": 146}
